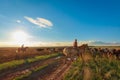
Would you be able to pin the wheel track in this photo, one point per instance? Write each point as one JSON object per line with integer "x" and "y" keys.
{"x": 59, "y": 73}
{"x": 24, "y": 69}
{"x": 40, "y": 75}
{"x": 87, "y": 73}
{"x": 54, "y": 71}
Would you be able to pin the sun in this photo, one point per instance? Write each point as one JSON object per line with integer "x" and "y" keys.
{"x": 20, "y": 37}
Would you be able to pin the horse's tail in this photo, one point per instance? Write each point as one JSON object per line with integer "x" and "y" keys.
{"x": 65, "y": 52}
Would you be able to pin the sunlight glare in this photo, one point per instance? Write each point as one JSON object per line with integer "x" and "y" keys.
{"x": 20, "y": 37}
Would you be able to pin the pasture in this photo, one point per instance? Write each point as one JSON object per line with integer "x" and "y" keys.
{"x": 48, "y": 63}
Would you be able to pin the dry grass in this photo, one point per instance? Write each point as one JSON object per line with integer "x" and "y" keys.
{"x": 99, "y": 69}
{"x": 8, "y": 54}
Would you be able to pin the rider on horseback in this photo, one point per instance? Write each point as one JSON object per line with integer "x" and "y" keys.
{"x": 75, "y": 44}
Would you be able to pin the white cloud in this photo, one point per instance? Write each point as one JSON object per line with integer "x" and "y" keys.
{"x": 18, "y": 21}
{"x": 41, "y": 22}
{"x": 90, "y": 43}
{"x": 50, "y": 44}
{"x": 100, "y": 43}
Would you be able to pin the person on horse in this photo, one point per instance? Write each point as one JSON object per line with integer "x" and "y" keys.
{"x": 75, "y": 44}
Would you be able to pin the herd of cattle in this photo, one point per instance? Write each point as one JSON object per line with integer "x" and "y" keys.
{"x": 100, "y": 52}
{"x": 105, "y": 52}
{"x": 50, "y": 50}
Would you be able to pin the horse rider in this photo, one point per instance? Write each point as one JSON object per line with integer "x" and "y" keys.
{"x": 75, "y": 44}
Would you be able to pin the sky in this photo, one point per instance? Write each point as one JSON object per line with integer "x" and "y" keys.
{"x": 59, "y": 22}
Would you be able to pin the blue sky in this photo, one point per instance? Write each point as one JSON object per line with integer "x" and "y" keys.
{"x": 61, "y": 20}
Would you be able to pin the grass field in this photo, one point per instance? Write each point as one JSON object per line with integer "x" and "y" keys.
{"x": 40, "y": 65}
{"x": 98, "y": 69}
{"x": 16, "y": 63}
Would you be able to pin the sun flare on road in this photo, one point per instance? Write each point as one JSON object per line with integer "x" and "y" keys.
{"x": 20, "y": 37}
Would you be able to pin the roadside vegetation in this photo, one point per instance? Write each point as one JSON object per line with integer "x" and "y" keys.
{"x": 100, "y": 68}
{"x": 75, "y": 71}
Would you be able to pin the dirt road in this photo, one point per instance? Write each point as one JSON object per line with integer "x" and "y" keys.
{"x": 11, "y": 74}
{"x": 87, "y": 73}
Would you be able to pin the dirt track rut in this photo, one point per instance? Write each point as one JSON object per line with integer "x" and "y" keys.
{"x": 86, "y": 70}
{"x": 24, "y": 69}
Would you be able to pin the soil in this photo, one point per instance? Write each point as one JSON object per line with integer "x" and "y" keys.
{"x": 55, "y": 70}
{"x": 20, "y": 70}
{"x": 87, "y": 73}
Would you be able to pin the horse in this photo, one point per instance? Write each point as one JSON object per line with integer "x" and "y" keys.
{"x": 74, "y": 53}
{"x": 71, "y": 53}
{"x": 22, "y": 49}
{"x": 83, "y": 48}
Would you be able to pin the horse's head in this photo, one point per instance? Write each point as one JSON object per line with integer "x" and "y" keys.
{"x": 84, "y": 46}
